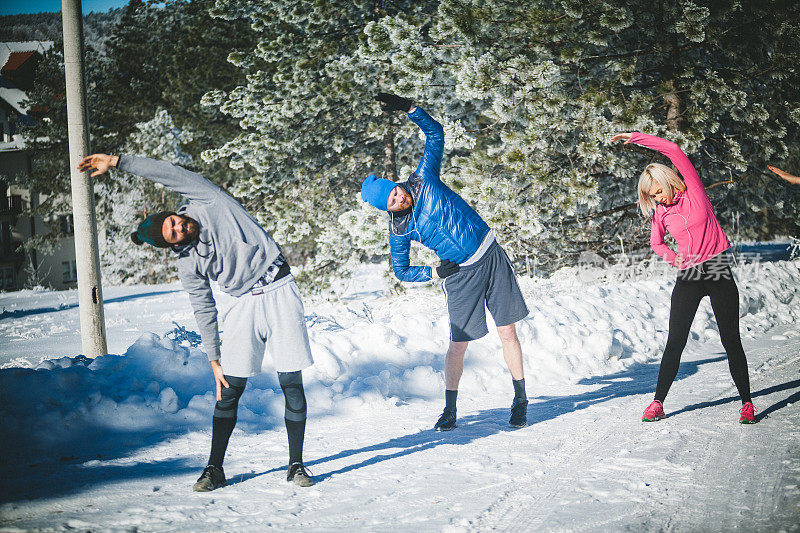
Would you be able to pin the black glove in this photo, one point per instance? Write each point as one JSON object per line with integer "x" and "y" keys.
{"x": 392, "y": 102}
{"x": 447, "y": 268}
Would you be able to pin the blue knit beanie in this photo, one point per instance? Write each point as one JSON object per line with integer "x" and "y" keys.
{"x": 375, "y": 191}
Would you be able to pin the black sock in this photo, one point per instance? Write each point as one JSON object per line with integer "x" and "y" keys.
{"x": 450, "y": 399}
{"x": 296, "y": 432}
{"x": 220, "y": 434}
{"x": 519, "y": 389}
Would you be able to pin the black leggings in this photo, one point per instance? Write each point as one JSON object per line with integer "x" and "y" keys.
{"x": 712, "y": 279}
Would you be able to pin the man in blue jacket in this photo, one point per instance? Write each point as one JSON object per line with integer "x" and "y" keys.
{"x": 217, "y": 240}
{"x": 478, "y": 272}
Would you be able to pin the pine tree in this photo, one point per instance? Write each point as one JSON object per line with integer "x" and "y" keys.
{"x": 542, "y": 87}
{"x": 158, "y": 57}
{"x": 311, "y": 130}
{"x": 529, "y": 95}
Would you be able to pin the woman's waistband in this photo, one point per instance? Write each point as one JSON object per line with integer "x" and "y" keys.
{"x": 713, "y": 268}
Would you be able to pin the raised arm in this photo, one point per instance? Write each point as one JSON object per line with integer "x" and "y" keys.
{"x": 674, "y": 153}
{"x": 189, "y": 184}
{"x": 431, "y": 164}
{"x": 795, "y": 180}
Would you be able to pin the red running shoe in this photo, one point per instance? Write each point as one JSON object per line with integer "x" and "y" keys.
{"x": 748, "y": 412}
{"x": 654, "y": 412}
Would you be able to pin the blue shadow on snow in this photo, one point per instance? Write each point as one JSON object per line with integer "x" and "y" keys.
{"x": 763, "y": 392}
{"x": 42, "y": 480}
{"x": 635, "y": 380}
{"x": 63, "y": 307}
{"x": 45, "y": 480}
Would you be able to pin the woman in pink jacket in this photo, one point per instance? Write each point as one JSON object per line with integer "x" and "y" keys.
{"x": 682, "y": 208}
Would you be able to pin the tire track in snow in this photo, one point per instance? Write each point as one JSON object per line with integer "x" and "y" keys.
{"x": 745, "y": 496}
{"x": 615, "y": 460}
{"x": 542, "y": 490}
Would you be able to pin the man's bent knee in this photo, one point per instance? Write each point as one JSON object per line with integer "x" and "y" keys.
{"x": 457, "y": 348}
{"x": 229, "y": 404}
{"x": 294, "y": 394}
{"x": 507, "y": 333}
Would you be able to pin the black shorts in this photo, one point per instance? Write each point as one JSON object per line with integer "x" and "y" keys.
{"x": 490, "y": 283}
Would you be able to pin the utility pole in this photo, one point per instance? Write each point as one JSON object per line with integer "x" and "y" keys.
{"x": 90, "y": 293}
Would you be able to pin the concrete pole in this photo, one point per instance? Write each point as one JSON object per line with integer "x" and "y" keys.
{"x": 90, "y": 293}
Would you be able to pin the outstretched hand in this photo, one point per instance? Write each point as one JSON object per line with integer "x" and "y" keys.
{"x": 392, "y": 102}
{"x": 785, "y": 175}
{"x": 99, "y": 162}
{"x": 621, "y": 136}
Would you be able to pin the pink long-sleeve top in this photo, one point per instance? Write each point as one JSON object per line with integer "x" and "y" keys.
{"x": 690, "y": 218}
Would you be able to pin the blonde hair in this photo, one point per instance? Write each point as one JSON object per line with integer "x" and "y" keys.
{"x": 663, "y": 175}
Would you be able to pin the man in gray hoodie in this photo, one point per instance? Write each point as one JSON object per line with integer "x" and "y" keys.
{"x": 217, "y": 240}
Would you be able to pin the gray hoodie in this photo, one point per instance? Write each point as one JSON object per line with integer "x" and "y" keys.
{"x": 232, "y": 248}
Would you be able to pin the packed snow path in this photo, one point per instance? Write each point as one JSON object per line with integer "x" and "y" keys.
{"x": 585, "y": 463}
{"x": 117, "y": 445}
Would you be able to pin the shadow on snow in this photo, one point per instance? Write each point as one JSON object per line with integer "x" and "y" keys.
{"x": 47, "y": 479}
{"x": 42, "y": 480}
{"x": 635, "y": 380}
{"x": 20, "y": 313}
{"x": 763, "y": 392}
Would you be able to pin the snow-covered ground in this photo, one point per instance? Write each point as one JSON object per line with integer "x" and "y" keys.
{"x": 116, "y": 443}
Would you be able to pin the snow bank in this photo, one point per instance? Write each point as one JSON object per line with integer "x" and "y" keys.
{"x": 371, "y": 352}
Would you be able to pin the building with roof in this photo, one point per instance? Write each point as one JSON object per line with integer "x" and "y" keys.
{"x": 18, "y": 62}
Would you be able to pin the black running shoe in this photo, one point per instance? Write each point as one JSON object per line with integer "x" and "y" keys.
{"x": 297, "y": 473}
{"x": 519, "y": 413}
{"x": 213, "y": 477}
{"x": 447, "y": 421}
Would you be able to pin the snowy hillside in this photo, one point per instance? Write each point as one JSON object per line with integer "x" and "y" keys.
{"x": 81, "y": 437}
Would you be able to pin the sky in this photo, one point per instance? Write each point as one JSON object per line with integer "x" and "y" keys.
{"x": 15, "y": 7}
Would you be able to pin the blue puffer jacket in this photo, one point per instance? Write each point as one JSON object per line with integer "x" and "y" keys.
{"x": 440, "y": 219}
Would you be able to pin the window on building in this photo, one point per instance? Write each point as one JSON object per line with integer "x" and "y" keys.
{"x": 15, "y": 204}
{"x": 66, "y": 224}
{"x": 5, "y": 127}
{"x": 8, "y": 278}
{"x": 69, "y": 271}
{"x": 5, "y": 233}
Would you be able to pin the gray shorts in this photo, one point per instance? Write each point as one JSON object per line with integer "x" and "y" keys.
{"x": 272, "y": 321}
{"x": 489, "y": 283}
